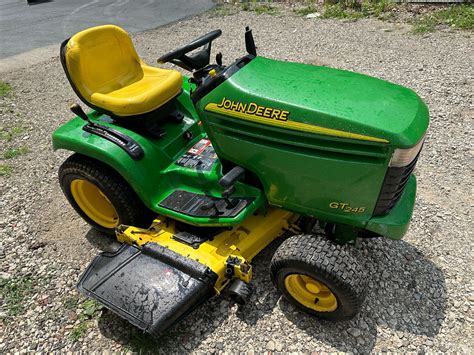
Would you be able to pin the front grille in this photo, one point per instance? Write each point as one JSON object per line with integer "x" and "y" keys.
{"x": 393, "y": 187}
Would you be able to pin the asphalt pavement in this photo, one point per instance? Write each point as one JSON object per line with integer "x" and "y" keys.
{"x": 26, "y": 27}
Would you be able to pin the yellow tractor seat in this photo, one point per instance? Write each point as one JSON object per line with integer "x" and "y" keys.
{"x": 106, "y": 72}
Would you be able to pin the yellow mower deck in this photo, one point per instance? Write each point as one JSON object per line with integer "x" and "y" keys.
{"x": 155, "y": 278}
{"x": 237, "y": 246}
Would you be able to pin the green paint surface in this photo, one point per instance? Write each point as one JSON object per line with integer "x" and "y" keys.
{"x": 157, "y": 175}
{"x": 330, "y": 98}
{"x": 300, "y": 171}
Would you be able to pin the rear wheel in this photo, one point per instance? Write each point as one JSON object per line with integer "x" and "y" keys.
{"x": 319, "y": 277}
{"x": 101, "y": 196}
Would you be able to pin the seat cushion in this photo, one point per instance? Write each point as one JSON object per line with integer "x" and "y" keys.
{"x": 155, "y": 88}
{"x": 105, "y": 70}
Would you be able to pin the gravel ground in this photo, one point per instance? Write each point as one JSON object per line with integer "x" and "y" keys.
{"x": 421, "y": 289}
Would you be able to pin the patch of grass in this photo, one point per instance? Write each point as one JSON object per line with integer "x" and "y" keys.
{"x": 5, "y": 170}
{"x": 457, "y": 16}
{"x": 461, "y": 16}
{"x": 258, "y": 7}
{"x": 265, "y": 9}
{"x": 334, "y": 11}
{"x": 16, "y": 152}
{"x": 90, "y": 310}
{"x": 79, "y": 331}
{"x": 14, "y": 292}
{"x": 141, "y": 343}
{"x": 422, "y": 26}
{"x": 224, "y": 10}
{"x": 379, "y": 9}
{"x": 5, "y": 88}
{"x": 352, "y": 9}
{"x": 8, "y": 135}
{"x": 303, "y": 11}
{"x": 308, "y": 8}
{"x": 71, "y": 302}
{"x": 246, "y": 6}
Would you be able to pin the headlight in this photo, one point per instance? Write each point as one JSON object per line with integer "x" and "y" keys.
{"x": 403, "y": 157}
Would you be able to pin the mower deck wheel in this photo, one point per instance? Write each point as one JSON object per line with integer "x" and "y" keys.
{"x": 100, "y": 195}
{"x": 319, "y": 277}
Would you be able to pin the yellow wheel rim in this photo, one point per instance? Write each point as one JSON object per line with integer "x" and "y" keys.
{"x": 94, "y": 203}
{"x": 311, "y": 293}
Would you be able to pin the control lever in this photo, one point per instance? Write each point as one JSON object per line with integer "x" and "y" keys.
{"x": 226, "y": 194}
{"x": 234, "y": 175}
{"x": 211, "y": 204}
{"x": 78, "y": 111}
{"x": 228, "y": 181}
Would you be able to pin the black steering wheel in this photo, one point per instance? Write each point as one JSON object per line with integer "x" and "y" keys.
{"x": 196, "y": 61}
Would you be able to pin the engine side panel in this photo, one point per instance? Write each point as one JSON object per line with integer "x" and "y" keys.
{"x": 303, "y": 173}
{"x": 318, "y": 139}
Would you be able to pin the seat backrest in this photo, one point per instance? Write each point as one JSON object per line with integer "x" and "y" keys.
{"x": 100, "y": 59}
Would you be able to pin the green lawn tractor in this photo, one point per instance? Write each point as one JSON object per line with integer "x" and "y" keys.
{"x": 196, "y": 175}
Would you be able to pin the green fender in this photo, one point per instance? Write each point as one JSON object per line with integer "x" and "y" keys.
{"x": 156, "y": 175}
{"x": 144, "y": 176}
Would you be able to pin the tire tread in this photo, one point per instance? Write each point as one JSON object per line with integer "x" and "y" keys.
{"x": 331, "y": 261}
{"x": 133, "y": 211}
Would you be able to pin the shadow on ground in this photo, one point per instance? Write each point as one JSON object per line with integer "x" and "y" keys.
{"x": 407, "y": 293}
{"x": 102, "y": 241}
{"x": 37, "y": 2}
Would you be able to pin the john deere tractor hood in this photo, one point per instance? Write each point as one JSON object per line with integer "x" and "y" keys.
{"x": 321, "y": 100}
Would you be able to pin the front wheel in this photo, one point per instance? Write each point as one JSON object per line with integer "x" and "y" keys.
{"x": 101, "y": 196}
{"x": 319, "y": 277}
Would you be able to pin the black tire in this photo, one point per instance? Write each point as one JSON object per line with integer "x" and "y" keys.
{"x": 130, "y": 210}
{"x": 326, "y": 262}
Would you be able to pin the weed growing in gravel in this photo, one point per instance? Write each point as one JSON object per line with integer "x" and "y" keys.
{"x": 355, "y": 10}
{"x": 337, "y": 11}
{"x": 141, "y": 343}
{"x": 309, "y": 7}
{"x": 90, "y": 310}
{"x": 5, "y": 88}
{"x": 71, "y": 302}
{"x": 458, "y": 16}
{"x": 5, "y": 170}
{"x": 8, "y": 135}
{"x": 258, "y": 7}
{"x": 422, "y": 27}
{"x": 349, "y": 9}
{"x": 13, "y": 293}
{"x": 79, "y": 331}
{"x": 265, "y": 9}
{"x": 223, "y": 10}
{"x": 16, "y": 152}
